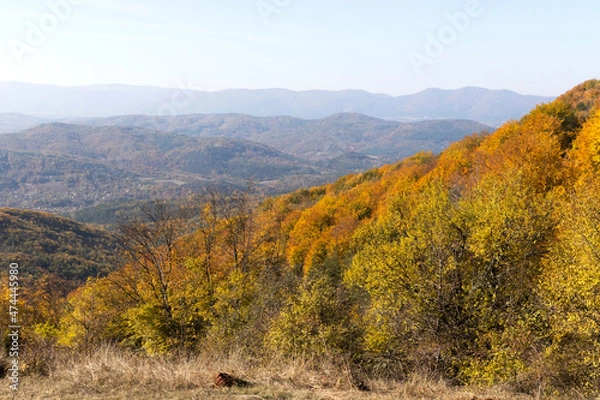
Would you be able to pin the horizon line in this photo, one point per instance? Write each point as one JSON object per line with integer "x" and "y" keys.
{"x": 274, "y": 88}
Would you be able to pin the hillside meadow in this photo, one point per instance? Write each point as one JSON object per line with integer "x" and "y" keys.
{"x": 110, "y": 373}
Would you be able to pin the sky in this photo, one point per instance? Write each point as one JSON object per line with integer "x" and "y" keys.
{"x": 383, "y": 46}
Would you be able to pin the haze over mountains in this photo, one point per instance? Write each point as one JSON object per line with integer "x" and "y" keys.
{"x": 315, "y": 140}
{"x": 494, "y": 238}
{"x": 491, "y": 107}
{"x": 60, "y": 167}
{"x": 71, "y": 148}
{"x": 14, "y": 122}
{"x": 65, "y": 167}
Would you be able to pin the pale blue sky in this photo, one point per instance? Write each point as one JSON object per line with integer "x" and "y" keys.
{"x": 532, "y": 47}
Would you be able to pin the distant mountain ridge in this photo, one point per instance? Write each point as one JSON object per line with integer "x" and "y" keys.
{"x": 492, "y": 107}
{"x": 14, "y": 122}
{"x": 143, "y": 151}
{"x": 65, "y": 167}
{"x": 61, "y": 168}
{"x": 316, "y": 139}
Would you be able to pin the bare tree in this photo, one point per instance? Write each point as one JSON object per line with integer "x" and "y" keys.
{"x": 150, "y": 240}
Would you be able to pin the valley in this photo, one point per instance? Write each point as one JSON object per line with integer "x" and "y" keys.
{"x": 64, "y": 168}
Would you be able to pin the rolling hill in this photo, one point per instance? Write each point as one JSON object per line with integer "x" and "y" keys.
{"x": 143, "y": 151}
{"x": 316, "y": 140}
{"x": 65, "y": 167}
{"x": 12, "y": 122}
{"x": 57, "y": 182}
{"x": 62, "y": 168}
{"x": 43, "y": 243}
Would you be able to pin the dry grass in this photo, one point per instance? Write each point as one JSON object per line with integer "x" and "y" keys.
{"x": 107, "y": 373}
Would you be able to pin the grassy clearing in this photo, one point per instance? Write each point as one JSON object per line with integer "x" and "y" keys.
{"x": 108, "y": 373}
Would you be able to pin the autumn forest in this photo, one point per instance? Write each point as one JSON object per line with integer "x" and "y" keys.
{"x": 479, "y": 266}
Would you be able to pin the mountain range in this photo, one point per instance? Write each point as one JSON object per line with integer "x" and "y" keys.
{"x": 66, "y": 167}
{"x": 315, "y": 140}
{"x": 61, "y": 167}
{"x": 492, "y": 107}
{"x": 71, "y": 148}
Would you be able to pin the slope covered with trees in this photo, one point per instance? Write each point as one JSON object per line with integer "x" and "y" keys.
{"x": 62, "y": 167}
{"x": 46, "y": 243}
{"x": 315, "y": 139}
{"x": 480, "y": 265}
{"x": 55, "y": 256}
{"x": 146, "y": 152}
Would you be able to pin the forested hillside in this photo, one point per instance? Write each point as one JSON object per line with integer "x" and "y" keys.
{"x": 65, "y": 168}
{"x": 146, "y": 153}
{"x": 314, "y": 139}
{"x": 62, "y": 168}
{"x": 479, "y": 265}
{"x": 55, "y": 256}
{"x": 48, "y": 244}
